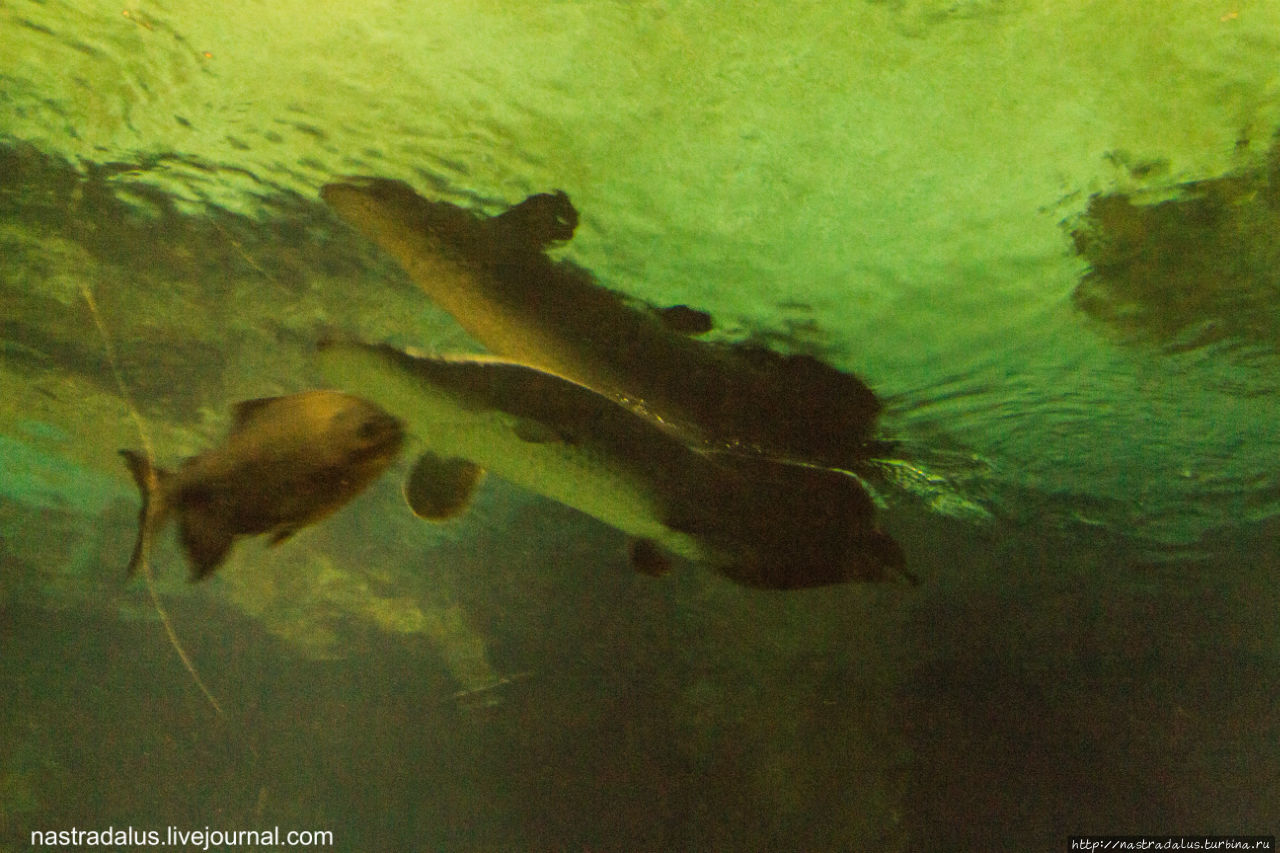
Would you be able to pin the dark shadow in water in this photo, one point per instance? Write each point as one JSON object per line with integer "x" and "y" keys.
{"x": 1090, "y": 694}
{"x": 1190, "y": 271}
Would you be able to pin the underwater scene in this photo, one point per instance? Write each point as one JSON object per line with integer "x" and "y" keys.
{"x": 582, "y": 425}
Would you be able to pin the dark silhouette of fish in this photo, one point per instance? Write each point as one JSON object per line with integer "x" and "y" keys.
{"x": 493, "y": 276}
{"x": 760, "y": 522}
{"x": 287, "y": 462}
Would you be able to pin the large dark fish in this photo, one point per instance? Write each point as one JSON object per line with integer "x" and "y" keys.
{"x": 759, "y": 522}
{"x": 493, "y": 276}
{"x": 287, "y": 462}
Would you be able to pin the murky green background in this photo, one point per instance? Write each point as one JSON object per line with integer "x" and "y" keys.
{"x": 898, "y": 187}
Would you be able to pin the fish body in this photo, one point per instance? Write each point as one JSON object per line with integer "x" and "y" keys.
{"x": 532, "y": 428}
{"x": 493, "y": 276}
{"x": 286, "y": 462}
{"x": 761, "y": 523}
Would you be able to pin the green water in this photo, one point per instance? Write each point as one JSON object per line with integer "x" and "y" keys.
{"x": 891, "y": 186}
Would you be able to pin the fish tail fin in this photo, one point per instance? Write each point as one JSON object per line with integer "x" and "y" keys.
{"x": 150, "y": 480}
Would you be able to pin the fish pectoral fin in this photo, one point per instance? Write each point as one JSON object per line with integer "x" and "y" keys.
{"x": 438, "y": 489}
{"x": 206, "y": 538}
{"x": 647, "y": 558}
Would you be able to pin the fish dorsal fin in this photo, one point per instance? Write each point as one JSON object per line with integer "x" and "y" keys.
{"x": 207, "y": 538}
{"x": 438, "y": 489}
{"x": 538, "y": 221}
{"x": 243, "y": 412}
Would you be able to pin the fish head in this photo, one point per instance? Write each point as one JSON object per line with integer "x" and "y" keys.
{"x": 390, "y": 213}
{"x": 786, "y": 564}
{"x": 367, "y": 435}
{"x": 798, "y": 526}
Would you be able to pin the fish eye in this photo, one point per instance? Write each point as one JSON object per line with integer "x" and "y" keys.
{"x": 368, "y": 431}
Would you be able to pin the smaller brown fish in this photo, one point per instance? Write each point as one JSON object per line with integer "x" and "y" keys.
{"x": 286, "y": 462}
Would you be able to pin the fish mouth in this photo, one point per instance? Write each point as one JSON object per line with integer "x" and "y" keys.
{"x": 382, "y": 435}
